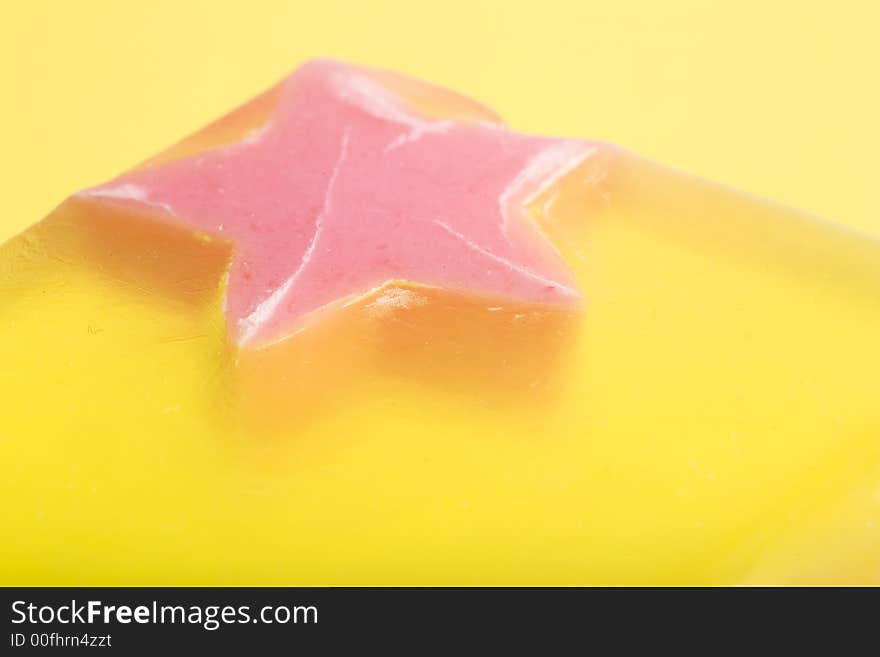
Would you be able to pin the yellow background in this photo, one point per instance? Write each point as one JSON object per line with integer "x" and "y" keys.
{"x": 779, "y": 98}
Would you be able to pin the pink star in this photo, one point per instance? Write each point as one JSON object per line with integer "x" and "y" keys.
{"x": 346, "y": 188}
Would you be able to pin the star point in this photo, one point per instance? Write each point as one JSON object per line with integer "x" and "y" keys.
{"x": 346, "y": 186}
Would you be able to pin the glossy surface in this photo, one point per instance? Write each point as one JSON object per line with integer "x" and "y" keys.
{"x": 345, "y": 185}
{"x": 698, "y": 422}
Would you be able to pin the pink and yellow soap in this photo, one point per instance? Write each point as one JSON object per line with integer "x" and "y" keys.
{"x": 360, "y": 332}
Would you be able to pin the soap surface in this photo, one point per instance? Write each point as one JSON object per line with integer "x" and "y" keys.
{"x": 359, "y": 332}
{"x": 344, "y": 187}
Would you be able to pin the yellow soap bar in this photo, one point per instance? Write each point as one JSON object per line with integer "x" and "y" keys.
{"x": 707, "y": 415}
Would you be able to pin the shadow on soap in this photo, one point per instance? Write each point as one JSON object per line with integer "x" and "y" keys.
{"x": 499, "y": 353}
{"x": 171, "y": 264}
{"x": 493, "y": 351}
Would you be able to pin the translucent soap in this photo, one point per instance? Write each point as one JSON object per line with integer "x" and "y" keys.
{"x": 360, "y": 332}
